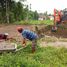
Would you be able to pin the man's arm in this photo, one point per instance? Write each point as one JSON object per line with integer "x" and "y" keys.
{"x": 24, "y": 42}
{"x": 11, "y": 39}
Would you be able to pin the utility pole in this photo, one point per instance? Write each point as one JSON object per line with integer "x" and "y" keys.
{"x": 30, "y": 7}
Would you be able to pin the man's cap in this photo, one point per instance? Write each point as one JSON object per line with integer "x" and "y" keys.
{"x": 19, "y": 28}
{"x": 6, "y": 33}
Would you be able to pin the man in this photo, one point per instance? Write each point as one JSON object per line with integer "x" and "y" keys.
{"x": 5, "y": 36}
{"x": 27, "y": 34}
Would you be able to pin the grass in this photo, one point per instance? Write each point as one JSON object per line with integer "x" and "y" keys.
{"x": 43, "y": 57}
{"x": 47, "y": 22}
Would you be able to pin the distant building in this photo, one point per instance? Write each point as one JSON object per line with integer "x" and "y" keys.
{"x": 51, "y": 17}
{"x": 42, "y": 17}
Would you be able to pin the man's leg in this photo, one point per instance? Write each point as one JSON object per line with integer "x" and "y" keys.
{"x": 34, "y": 43}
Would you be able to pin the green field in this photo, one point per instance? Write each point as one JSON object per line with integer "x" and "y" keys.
{"x": 43, "y": 57}
{"x": 47, "y": 22}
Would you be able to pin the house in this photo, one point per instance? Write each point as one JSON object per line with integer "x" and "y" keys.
{"x": 42, "y": 17}
{"x": 51, "y": 17}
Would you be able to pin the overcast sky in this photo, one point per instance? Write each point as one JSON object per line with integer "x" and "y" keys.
{"x": 47, "y": 5}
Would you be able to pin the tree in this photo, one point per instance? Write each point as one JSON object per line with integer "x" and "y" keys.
{"x": 11, "y": 11}
{"x": 4, "y": 6}
{"x": 36, "y": 15}
{"x": 46, "y": 15}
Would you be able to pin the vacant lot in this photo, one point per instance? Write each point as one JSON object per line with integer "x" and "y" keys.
{"x": 61, "y": 34}
{"x": 43, "y": 57}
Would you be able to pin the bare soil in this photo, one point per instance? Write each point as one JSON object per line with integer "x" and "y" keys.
{"x": 12, "y": 30}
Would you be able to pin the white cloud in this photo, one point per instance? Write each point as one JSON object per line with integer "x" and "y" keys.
{"x": 47, "y": 5}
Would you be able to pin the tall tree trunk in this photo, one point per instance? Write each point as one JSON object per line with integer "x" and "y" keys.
{"x": 7, "y": 12}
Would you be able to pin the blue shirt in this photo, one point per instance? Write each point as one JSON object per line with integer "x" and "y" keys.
{"x": 29, "y": 34}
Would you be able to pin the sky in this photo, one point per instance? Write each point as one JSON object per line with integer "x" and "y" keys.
{"x": 47, "y": 5}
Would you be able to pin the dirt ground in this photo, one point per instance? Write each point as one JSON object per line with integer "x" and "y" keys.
{"x": 12, "y": 30}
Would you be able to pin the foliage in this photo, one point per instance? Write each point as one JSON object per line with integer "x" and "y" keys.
{"x": 47, "y": 22}
{"x": 35, "y": 15}
{"x": 43, "y": 57}
{"x": 14, "y": 11}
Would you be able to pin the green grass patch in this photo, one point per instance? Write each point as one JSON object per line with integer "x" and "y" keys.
{"x": 47, "y": 22}
{"x": 43, "y": 57}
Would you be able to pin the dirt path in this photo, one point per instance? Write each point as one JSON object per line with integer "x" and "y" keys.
{"x": 54, "y": 44}
{"x": 53, "y": 41}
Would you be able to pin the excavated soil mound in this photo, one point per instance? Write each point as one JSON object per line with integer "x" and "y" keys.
{"x": 61, "y": 31}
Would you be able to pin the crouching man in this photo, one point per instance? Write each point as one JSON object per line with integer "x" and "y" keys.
{"x": 5, "y": 37}
{"x": 30, "y": 35}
